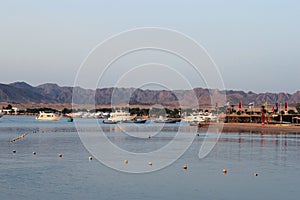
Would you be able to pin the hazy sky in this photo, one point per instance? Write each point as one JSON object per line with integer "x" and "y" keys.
{"x": 255, "y": 43}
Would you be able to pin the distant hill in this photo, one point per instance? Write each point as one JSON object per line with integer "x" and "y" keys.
{"x": 21, "y": 92}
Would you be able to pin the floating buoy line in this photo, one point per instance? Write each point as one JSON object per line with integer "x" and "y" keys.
{"x": 90, "y": 158}
{"x": 18, "y": 138}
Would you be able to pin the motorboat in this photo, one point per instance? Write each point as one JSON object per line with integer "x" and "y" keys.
{"x": 107, "y": 121}
{"x": 137, "y": 121}
{"x": 161, "y": 119}
{"x": 45, "y": 116}
{"x": 200, "y": 117}
{"x": 120, "y": 116}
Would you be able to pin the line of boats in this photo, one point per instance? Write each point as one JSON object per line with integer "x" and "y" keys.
{"x": 120, "y": 116}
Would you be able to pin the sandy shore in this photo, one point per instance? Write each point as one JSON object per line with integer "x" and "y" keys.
{"x": 256, "y": 128}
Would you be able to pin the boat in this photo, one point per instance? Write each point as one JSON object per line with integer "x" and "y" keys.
{"x": 45, "y": 116}
{"x": 137, "y": 121}
{"x": 120, "y": 116}
{"x": 200, "y": 117}
{"x": 161, "y": 119}
{"x": 106, "y": 121}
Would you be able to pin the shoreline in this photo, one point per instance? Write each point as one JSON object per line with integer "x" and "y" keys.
{"x": 255, "y": 128}
{"x": 241, "y": 127}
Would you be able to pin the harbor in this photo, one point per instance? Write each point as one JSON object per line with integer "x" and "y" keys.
{"x": 51, "y": 162}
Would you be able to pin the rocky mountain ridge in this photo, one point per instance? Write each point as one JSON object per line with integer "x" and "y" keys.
{"x": 21, "y": 92}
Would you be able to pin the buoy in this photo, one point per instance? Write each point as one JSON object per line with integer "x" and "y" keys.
{"x": 60, "y": 155}
{"x": 224, "y": 171}
{"x": 255, "y": 174}
{"x": 125, "y": 162}
{"x": 185, "y": 167}
{"x": 14, "y": 151}
{"x": 69, "y": 119}
{"x": 90, "y": 158}
{"x": 149, "y": 137}
{"x": 150, "y": 163}
{"x": 34, "y": 153}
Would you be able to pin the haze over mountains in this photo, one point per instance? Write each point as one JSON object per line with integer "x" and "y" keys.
{"x": 23, "y": 93}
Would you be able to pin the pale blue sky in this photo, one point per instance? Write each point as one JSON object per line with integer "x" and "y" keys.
{"x": 256, "y": 44}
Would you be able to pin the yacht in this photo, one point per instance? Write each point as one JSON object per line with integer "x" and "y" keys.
{"x": 200, "y": 117}
{"x": 45, "y": 116}
{"x": 120, "y": 116}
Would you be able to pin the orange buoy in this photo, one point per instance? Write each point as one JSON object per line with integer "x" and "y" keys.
{"x": 125, "y": 162}
{"x": 185, "y": 167}
{"x": 255, "y": 174}
{"x": 224, "y": 171}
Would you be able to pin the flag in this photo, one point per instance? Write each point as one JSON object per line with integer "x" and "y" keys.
{"x": 240, "y": 106}
{"x": 217, "y": 106}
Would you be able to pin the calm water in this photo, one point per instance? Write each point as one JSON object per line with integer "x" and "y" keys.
{"x": 275, "y": 158}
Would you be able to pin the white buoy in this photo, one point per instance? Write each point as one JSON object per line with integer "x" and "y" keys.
{"x": 224, "y": 171}
{"x": 60, "y": 155}
{"x": 34, "y": 153}
{"x": 90, "y": 158}
{"x": 150, "y": 163}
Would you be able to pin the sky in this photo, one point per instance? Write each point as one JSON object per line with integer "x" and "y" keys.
{"x": 254, "y": 44}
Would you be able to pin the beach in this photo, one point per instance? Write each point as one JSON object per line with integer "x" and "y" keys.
{"x": 254, "y": 128}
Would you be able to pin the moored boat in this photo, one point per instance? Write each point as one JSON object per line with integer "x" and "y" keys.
{"x": 120, "y": 116}
{"x": 107, "y": 121}
{"x": 200, "y": 117}
{"x": 44, "y": 116}
{"x": 166, "y": 120}
{"x": 137, "y": 121}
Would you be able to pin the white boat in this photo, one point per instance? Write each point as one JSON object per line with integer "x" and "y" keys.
{"x": 200, "y": 117}
{"x": 119, "y": 116}
{"x": 162, "y": 119}
{"x": 48, "y": 116}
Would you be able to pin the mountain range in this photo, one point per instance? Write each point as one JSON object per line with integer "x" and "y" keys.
{"x": 23, "y": 93}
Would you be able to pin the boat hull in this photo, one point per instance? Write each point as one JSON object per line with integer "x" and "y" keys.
{"x": 108, "y": 122}
{"x": 136, "y": 121}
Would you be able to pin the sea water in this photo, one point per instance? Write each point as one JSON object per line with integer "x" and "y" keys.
{"x": 274, "y": 158}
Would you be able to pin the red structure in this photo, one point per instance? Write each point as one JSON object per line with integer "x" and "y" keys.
{"x": 240, "y": 106}
{"x": 263, "y": 117}
{"x": 285, "y": 106}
